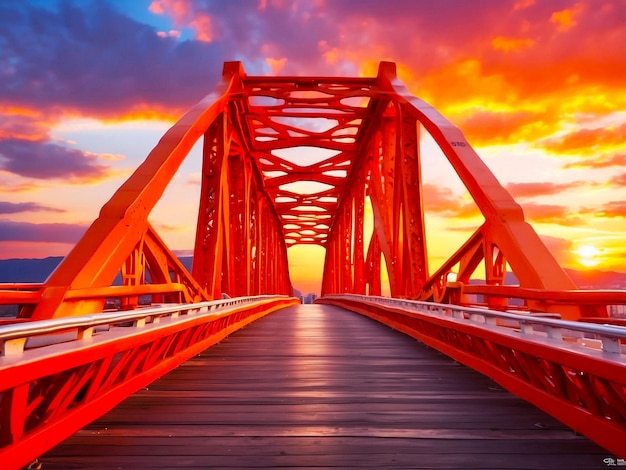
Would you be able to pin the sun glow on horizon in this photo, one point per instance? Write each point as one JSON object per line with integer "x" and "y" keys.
{"x": 588, "y": 256}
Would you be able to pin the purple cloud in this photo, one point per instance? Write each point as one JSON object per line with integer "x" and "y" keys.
{"x": 18, "y": 207}
{"x": 50, "y": 233}
{"x": 44, "y": 159}
{"x": 90, "y": 58}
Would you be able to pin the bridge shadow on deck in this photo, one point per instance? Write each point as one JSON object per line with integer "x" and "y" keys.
{"x": 317, "y": 386}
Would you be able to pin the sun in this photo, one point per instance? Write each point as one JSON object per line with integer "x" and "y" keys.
{"x": 588, "y": 256}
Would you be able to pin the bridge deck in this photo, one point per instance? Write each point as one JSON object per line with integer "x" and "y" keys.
{"x": 317, "y": 386}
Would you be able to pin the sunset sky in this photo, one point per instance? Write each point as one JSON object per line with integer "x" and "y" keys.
{"x": 87, "y": 88}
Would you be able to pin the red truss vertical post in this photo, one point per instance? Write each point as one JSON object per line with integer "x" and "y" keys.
{"x": 133, "y": 271}
{"x": 254, "y": 246}
{"x": 270, "y": 258}
{"x": 285, "y": 287}
{"x": 239, "y": 261}
{"x": 372, "y": 267}
{"x": 338, "y": 266}
{"x": 224, "y": 258}
{"x": 276, "y": 258}
{"x": 260, "y": 244}
{"x": 396, "y": 196}
{"x": 270, "y": 274}
{"x": 249, "y": 221}
{"x": 329, "y": 278}
{"x": 333, "y": 273}
{"x": 495, "y": 271}
{"x": 409, "y": 203}
{"x": 227, "y": 233}
{"x": 209, "y": 246}
{"x": 282, "y": 265}
{"x": 358, "y": 248}
{"x": 161, "y": 266}
{"x": 381, "y": 185}
{"x": 346, "y": 267}
{"x": 346, "y": 248}
{"x": 338, "y": 254}
{"x": 387, "y": 203}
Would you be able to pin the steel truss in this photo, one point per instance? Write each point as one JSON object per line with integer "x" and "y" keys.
{"x": 252, "y": 207}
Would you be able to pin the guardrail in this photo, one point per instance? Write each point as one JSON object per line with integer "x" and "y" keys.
{"x": 594, "y": 336}
{"x": 575, "y": 371}
{"x": 58, "y": 375}
{"x": 14, "y": 337}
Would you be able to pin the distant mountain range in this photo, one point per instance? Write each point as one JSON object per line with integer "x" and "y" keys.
{"x": 27, "y": 270}
{"x": 596, "y": 279}
{"x": 37, "y": 270}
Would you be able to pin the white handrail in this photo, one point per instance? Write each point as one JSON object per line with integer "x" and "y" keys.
{"x": 13, "y": 336}
{"x": 609, "y": 335}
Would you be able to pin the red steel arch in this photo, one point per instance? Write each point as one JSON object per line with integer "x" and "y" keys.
{"x": 258, "y": 134}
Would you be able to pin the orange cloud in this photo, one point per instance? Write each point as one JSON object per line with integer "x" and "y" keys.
{"x": 587, "y": 139}
{"x": 111, "y": 157}
{"x": 489, "y": 128}
{"x": 330, "y": 54}
{"x": 619, "y": 180}
{"x": 614, "y": 208}
{"x": 529, "y": 190}
{"x": 442, "y": 200}
{"x": 24, "y": 123}
{"x": 551, "y": 214}
{"x": 439, "y": 199}
{"x": 276, "y": 65}
{"x": 442, "y": 88}
{"x": 510, "y": 44}
{"x": 565, "y": 19}
{"x": 611, "y": 209}
{"x": 142, "y": 112}
{"x": 599, "y": 162}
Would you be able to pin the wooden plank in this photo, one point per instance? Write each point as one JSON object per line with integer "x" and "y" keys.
{"x": 316, "y": 386}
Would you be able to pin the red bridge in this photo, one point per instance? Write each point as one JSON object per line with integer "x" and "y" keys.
{"x": 82, "y": 343}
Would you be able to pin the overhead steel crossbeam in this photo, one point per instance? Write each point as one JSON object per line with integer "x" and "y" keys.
{"x": 302, "y": 116}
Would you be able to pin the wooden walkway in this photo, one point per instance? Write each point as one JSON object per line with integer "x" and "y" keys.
{"x": 319, "y": 387}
